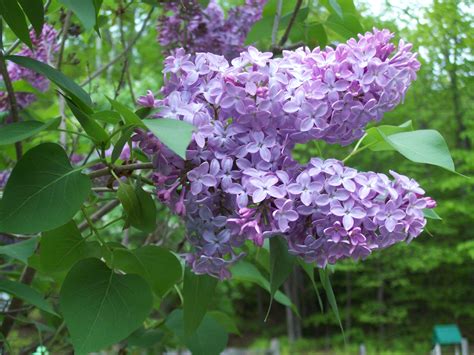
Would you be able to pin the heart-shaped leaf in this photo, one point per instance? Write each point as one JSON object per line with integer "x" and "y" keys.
{"x": 158, "y": 266}
{"x": 101, "y": 307}
{"x": 44, "y": 190}
{"x": 63, "y": 246}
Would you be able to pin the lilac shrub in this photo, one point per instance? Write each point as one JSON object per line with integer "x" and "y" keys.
{"x": 240, "y": 182}
{"x": 44, "y": 47}
{"x": 186, "y": 24}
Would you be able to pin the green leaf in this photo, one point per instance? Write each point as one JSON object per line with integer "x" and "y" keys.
{"x": 139, "y": 207}
{"x": 106, "y": 116}
{"x": 281, "y": 265}
{"x": 160, "y": 267}
{"x": 226, "y": 321}
{"x": 316, "y": 35}
{"x": 18, "y": 131}
{"x": 101, "y": 307}
{"x": 63, "y": 247}
{"x": 300, "y": 18}
{"x": 66, "y": 84}
{"x": 91, "y": 127}
{"x": 34, "y": 10}
{"x": 197, "y": 292}
{"x": 175, "y": 134}
{"x": 44, "y": 190}
{"x": 309, "y": 270}
{"x": 20, "y": 250}
{"x": 245, "y": 271}
{"x": 348, "y": 26}
{"x": 376, "y": 142}
{"x": 326, "y": 282}
{"x": 118, "y": 146}
{"x": 431, "y": 214}
{"x": 27, "y": 294}
{"x": 84, "y": 10}
{"x": 423, "y": 146}
{"x": 130, "y": 118}
{"x": 13, "y": 15}
{"x": 210, "y": 337}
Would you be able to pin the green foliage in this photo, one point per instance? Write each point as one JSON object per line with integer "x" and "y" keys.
{"x": 139, "y": 207}
{"x": 20, "y": 250}
{"x": 158, "y": 266}
{"x": 44, "y": 190}
{"x": 209, "y": 338}
{"x": 70, "y": 87}
{"x": 197, "y": 292}
{"x": 18, "y": 131}
{"x": 101, "y": 307}
{"x": 63, "y": 247}
{"x": 11, "y": 12}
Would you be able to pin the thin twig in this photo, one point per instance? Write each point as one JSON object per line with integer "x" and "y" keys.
{"x": 290, "y": 24}
{"x": 121, "y": 168}
{"x": 121, "y": 54}
{"x": 99, "y": 214}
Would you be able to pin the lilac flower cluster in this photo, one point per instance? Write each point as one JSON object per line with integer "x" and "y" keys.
{"x": 186, "y": 24}
{"x": 44, "y": 47}
{"x": 239, "y": 181}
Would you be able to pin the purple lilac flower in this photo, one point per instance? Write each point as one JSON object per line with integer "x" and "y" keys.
{"x": 186, "y": 24}
{"x": 240, "y": 182}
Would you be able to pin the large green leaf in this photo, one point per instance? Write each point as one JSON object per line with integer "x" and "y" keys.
{"x": 139, "y": 207}
{"x": 64, "y": 246}
{"x": 34, "y": 10}
{"x": 198, "y": 291}
{"x": 66, "y": 84}
{"x": 21, "y": 250}
{"x": 101, "y": 307}
{"x": 348, "y": 26}
{"x": 84, "y": 10}
{"x": 13, "y": 15}
{"x": 225, "y": 321}
{"x": 158, "y": 266}
{"x": 210, "y": 337}
{"x": 423, "y": 146}
{"x": 43, "y": 191}
{"x": 374, "y": 137}
{"x": 27, "y": 294}
{"x": 18, "y": 131}
{"x": 175, "y": 134}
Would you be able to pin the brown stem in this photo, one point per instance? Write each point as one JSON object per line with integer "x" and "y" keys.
{"x": 290, "y": 24}
{"x": 122, "y": 168}
{"x": 99, "y": 214}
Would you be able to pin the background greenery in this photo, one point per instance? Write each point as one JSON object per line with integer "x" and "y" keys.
{"x": 392, "y": 300}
